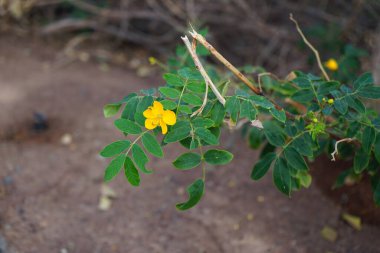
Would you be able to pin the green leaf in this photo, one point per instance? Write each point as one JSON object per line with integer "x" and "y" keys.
{"x": 190, "y": 74}
{"x": 196, "y": 86}
{"x": 195, "y": 191}
{"x": 303, "y": 145}
{"x": 111, "y": 109}
{"x": 274, "y": 133}
{"x": 173, "y": 79}
{"x": 178, "y": 134}
{"x": 371, "y": 92}
{"x": 261, "y": 101}
{"x": 202, "y": 122}
{"x": 151, "y": 145}
{"x": 170, "y": 92}
{"x": 247, "y": 110}
{"x": 218, "y": 157}
{"x": 255, "y": 137}
{"x": 233, "y": 107}
{"x": 355, "y": 104}
{"x": 361, "y": 160}
{"x": 304, "y": 178}
{"x": 262, "y": 166}
{"x": 281, "y": 176}
{"x": 377, "y": 148}
{"x": 185, "y": 109}
{"x": 303, "y": 96}
{"x": 141, "y": 107}
{"x": 278, "y": 114}
{"x": 294, "y": 159}
{"x": 168, "y": 104}
{"x": 131, "y": 172}
{"x": 140, "y": 158}
{"x": 368, "y": 138}
{"x": 205, "y": 135}
{"x": 217, "y": 113}
{"x": 326, "y": 87}
{"x": 192, "y": 99}
{"x": 187, "y": 161}
{"x": 130, "y": 109}
{"x": 115, "y": 148}
{"x": 302, "y": 82}
{"x": 363, "y": 80}
{"x": 341, "y": 105}
{"x": 148, "y": 92}
{"x": 376, "y": 194}
{"x": 127, "y": 126}
{"x": 114, "y": 167}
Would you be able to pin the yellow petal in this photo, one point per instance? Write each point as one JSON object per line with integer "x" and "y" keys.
{"x": 169, "y": 117}
{"x": 148, "y": 113}
{"x": 150, "y": 124}
{"x": 158, "y": 108}
{"x": 332, "y": 64}
{"x": 164, "y": 127}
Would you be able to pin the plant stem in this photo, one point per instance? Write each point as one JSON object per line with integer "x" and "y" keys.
{"x": 316, "y": 53}
{"x": 203, "y": 72}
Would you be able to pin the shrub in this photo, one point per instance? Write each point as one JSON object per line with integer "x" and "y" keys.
{"x": 302, "y": 116}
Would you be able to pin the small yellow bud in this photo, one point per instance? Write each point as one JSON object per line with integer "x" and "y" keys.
{"x": 332, "y": 64}
{"x": 152, "y": 60}
{"x": 315, "y": 120}
{"x": 330, "y": 101}
{"x": 324, "y": 99}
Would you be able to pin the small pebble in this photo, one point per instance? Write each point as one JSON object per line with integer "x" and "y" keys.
{"x": 250, "y": 216}
{"x": 66, "y": 139}
{"x": 260, "y": 199}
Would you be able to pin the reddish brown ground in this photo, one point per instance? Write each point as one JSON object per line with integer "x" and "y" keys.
{"x": 49, "y": 192}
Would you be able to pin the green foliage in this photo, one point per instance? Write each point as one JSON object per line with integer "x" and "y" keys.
{"x": 195, "y": 191}
{"x": 320, "y": 113}
{"x": 217, "y": 157}
{"x": 187, "y": 161}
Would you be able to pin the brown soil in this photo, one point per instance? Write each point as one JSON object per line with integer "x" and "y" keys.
{"x": 356, "y": 199}
{"x": 49, "y": 192}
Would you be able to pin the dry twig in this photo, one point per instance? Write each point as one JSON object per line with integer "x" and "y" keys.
{"x": 336, "y": 147}
{"x": 311, "y": 47}
{"x": 203, "y": 72}
{"x": 223, "y": 60}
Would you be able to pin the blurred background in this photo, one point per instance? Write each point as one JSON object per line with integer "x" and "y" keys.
{"x": 62, "y": 60}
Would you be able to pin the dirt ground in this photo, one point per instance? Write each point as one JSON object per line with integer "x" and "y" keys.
{"x": 49, "y": 192}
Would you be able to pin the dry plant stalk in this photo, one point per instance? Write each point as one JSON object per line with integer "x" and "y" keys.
{"x": 223, "y": 60}
{"x": 311, "y": 47}
{"x": 336, "y": 147}
{"x": 233, "y": 69}
{"x": 203, "y": 72}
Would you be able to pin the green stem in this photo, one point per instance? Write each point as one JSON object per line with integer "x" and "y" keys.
{"x": 135, "y": 141}
{"x": 203, "y": 163}
{"x": 180, "y": 97}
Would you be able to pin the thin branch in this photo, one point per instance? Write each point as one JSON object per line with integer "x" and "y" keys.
{"x": 311, "y": 47}
{"x": 200, "y": 110}
{"x": 223, "y": 60}
{"x": 203, "y": 72}
{"x": 336, "y": 147}
{"x": 259, "y": 76}
{"x": 233, "y": 69}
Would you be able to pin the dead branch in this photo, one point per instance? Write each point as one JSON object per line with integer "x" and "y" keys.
{"x": 316, "y": 53}
{"x": 203, "y": 72}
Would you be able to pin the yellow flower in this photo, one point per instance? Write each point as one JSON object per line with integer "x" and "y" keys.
{"x": 330, "y": 101}
{"x": 332, "y": 64}
{"x": 152, "y": 60}
{"x": 156, "y": 116}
